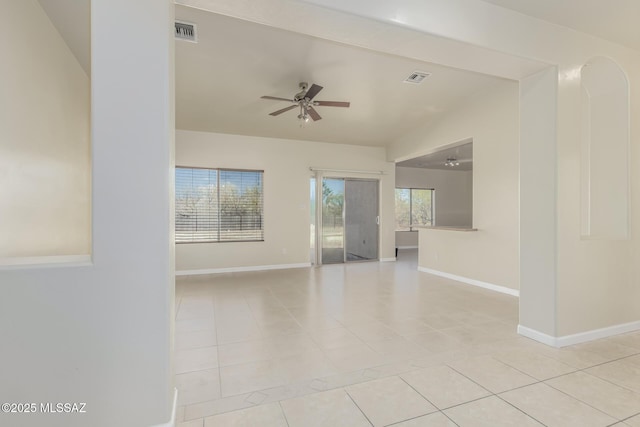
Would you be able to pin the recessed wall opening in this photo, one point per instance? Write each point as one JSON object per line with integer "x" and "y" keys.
{"x": 434, "y": 190}
{"x": 45, "y": 184}
{"x": 604, "y": 151}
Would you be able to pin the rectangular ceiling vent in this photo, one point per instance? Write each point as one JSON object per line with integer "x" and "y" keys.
{"x": 417, "y": 77}
{"x": 186, "y": 31}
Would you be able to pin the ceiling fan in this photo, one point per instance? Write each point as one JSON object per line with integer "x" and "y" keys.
{"x": 304, "y": 101}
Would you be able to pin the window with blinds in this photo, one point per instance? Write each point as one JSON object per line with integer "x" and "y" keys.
{"x": 218, "y": 205}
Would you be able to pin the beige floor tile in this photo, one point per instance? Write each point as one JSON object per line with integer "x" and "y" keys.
{"x": 196, "y": 359}
{"x": 609, "y": 398}
{"x": 443, "y": 386}
{"x": 631, "y": 339}
{"x": 329, "y": 339}
{"x": 633, "y": 359}
{"x": 292, "y": 333}
{"x": 580, "y": 358}
{"x": 489, "y": 412}
{"x": 306, "y": 366}
{"x": 398, "y": 349}
{"x": 218, "y": 406}
{"x": 195, "y": 339}
{"x": 535, "y": 364}
{"x": 330, "y": 408}
{"x": 412, "y": 326}
{"x": 554, "y": 408}
{"x": 437, "y": 342}
{"x": 432, "y": 420}
{"x": 633, "y": 421}
{"x": 492, "y": 374}
{"x": 389, "y": 400}
{"x": 198, "y": 386}
{"x": 609, "y": 349}
{"x": 440, "y": 320}
{"x": 354, "y": 357}
{"x": 292, "y": 345}
{"x": 469, "y": 335}
{"x": 248, "y": 377}
{"x": 370, "y": 331}
{"x": 193, "y": 423}
{"x": 197, "y": 324}
{"x": 232, "y": 332}
{"x": 317, "y": 323}
{"x": 244, "y": 352}
{"x": 621, "y": 372}
{"x": 269, "y": 415}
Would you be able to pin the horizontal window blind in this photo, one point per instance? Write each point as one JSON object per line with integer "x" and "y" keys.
{"x": 218, "y": 205}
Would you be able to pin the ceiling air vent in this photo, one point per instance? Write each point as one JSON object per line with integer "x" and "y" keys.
{"x": 186, "y": 31}
{"x": 417, "y": 77}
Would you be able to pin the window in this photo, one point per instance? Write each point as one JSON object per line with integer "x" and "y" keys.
{"x": 218, "y": 205}
{"x": 414, "y": 207}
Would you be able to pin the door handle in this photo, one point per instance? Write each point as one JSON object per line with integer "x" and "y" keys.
{"x": 378, "y": 220}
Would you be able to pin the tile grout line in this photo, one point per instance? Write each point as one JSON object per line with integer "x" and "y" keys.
{"x": 496, "y": 395}
{"x": 284, "y": 414}
{"x": 357, "y": 406}
{"x": 514, "y": 406}
{"x": 215, "y": 324}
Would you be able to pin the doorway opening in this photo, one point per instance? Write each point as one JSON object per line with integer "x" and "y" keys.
{"x": 345, "y": 227}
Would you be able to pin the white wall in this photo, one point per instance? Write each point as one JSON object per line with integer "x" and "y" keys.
{"x": 286, "y": 166}
{"x": 44, "y": 147}
{"x": 453, "y": 197}
{"x": 490, "y": 254}
{"x": 101, "y": 332}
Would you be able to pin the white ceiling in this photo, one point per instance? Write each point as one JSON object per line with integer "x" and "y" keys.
{"x": 463, "y": 153}
{"x": 220, "y": 79}
{"x": 613, "y": 20}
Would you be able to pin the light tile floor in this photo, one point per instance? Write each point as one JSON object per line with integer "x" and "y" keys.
{"x": 383, "y": 344}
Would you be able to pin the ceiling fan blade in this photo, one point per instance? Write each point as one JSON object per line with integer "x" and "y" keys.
{"x": 284, "y": 110}
{"x": 276, "y": 98}
{"x": 313, "y": 114}
{"x": 332, "y": 103}
{"x": 313, "y": 91}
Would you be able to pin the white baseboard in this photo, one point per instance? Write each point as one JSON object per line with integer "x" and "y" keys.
{"x": 597, "y": 334}
{"x": 172, "y": 421}
{"x": 537, "y": 336}
{"x": 45, "y": 262}
{"x": 241, "y": 269}
{"x": 581, "y": 337}
{"x": 388, "y": 259}
{"x": 474, "y": 282}
{"x": 407, "y": 247}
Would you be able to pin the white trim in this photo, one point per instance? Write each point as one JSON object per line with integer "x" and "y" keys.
{"x": 312, "y": 169}
{"x": 388, "y": 259}
{"x": 537, "y": 336}
{"x": 241, "y": 269}
{"x": 474, "y": 282}
{"x": 172, "y": 420}
{"x": 597, "y": 334}
{"x": 407, "y": 247}
{"x": 10, "y": 263}
{"x": 578, "y": 338}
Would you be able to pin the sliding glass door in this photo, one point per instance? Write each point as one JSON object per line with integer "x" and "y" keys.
{"x": 332, "y": 220}
{"x": 349, "y": 219}
{"x": 361, "y": 220}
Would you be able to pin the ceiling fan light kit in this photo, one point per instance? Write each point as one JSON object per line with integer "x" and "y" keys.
{"x": 304, "y": 100}
{"x": 452, "y": 162}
